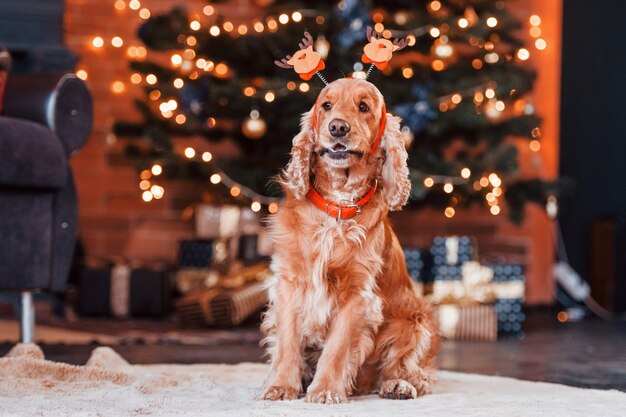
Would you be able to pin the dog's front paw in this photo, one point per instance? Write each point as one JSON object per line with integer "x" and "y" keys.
{"x": 397, "y": 389}
{"x": 275, "y": 393}
{"x": 325, "y": 396}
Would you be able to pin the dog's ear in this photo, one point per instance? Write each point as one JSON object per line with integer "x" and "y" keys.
{"x": 296, "y": 175}
{"x": 396, "y": 185}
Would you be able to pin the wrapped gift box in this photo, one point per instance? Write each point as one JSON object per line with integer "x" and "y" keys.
{"x": 229, "y": 302}
{"x": 476, "y": 323}
{"x": 452, "y": 250}
{"x": 195, "y": 253}
{"x": 214, "y": 222}
{"x": 121, "y": 291}
{"x": 418, "y": 263}
{"x": 508, "y": 283}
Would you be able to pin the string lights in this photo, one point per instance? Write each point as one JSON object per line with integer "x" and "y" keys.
{"x": 151, "y": 190}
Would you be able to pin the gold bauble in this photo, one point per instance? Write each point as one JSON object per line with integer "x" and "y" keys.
{"x": 254, "y": 127}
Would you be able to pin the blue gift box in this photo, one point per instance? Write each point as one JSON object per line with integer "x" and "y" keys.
{"x": 195, "y": 253}
{"x": 452, "y": 250}
{"x": 509, "y": 309}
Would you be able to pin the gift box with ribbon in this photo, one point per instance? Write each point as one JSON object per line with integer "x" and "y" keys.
{"x": 508, "y": 280}
{"x": 481, "y": 286}
{"x": 122, "y": 291}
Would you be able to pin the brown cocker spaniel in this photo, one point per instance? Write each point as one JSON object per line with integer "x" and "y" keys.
{"x": 343, "y": 317}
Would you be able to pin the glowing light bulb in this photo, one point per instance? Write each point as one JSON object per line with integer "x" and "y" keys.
{"x": 272, "y": 208}
{"x": 535, "y": 20}
{"x": 82, "y": 74}
{"x": 541, "y": 44}
{"x": 449, "y": 212}
{"x": 463, "y": 23}
{"x": 176, "y": 59}
{"x": 151, "y": 79}
{"x": 178, "y": 83}
{"x": 448, "y": 187}
{"x": 157, "y": 191}
{"x": 296, "y": 16}
{"x": 534, "y": 145}
{"x": 216, "y": 179}
{"x": 492, "y": 22}
{"x": 190, "y": 152}
{"x": 194, "y": 25}
{"x": 495, "y": 180}
{"x": 117, "y": 42}
{"x": 97, "y": 42}
{"x": 118, "y": 87}
{"x": 235, "y": 191}
{"x": 495, "y": 210}
{"x": 428, "y": 182}
{"x": 147, "y": 196}
{"x": 270, "y": 96}
{"x": 283, "y": 18}
{"x": 435, "y": 5}
{"x": 207, "y": 156}
{"x": 144, "y": 184}
{"x": 523, "y": 54}
{"x": 144, "y": 14}
{"x": 156, "y": 169}
{"x": 255, "y": 206}
{"x": 465, "y": 173}
{"x": 434, "y": 32}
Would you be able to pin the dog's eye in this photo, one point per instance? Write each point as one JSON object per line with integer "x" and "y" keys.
{"x": 326, "y": 105}
{"x": 363, "y": 107}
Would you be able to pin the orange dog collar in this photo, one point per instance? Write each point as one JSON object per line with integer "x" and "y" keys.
{"x": 340, "y": 211}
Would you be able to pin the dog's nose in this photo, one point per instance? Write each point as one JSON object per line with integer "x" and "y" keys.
{"x": 338, "y": 128}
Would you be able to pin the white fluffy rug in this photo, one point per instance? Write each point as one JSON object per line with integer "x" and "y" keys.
{"x": 109, "y": 386}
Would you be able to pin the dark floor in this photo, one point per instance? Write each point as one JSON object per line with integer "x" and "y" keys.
{"x": 590, "y": 353}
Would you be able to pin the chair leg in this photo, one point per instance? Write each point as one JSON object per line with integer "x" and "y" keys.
{"x": 27, "y": 321}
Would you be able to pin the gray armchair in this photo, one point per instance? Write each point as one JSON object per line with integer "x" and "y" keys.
{"x": 45, "y": 120}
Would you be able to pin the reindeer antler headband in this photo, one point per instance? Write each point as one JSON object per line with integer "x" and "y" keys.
{"x": 307, "y": 62}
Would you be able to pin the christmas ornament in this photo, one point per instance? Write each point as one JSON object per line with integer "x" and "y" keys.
{"x": 254, "y": 127}
{"x": 306, "y": 62}
{"x": 379, "y": 51}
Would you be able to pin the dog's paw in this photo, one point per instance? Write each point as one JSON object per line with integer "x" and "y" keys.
{"x": 397, "y": 389}
{"x": 325, "y": 396}
{"x": 275, "y": 393}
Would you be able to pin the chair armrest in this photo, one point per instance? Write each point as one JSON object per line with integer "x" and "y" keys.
{"x": 60, "y": 101}
{"x": 31, "y": 156}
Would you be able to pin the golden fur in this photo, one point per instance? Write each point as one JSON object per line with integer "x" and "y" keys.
{"x": 343, "y": 317}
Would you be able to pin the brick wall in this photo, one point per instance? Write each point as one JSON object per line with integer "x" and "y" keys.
{"x": 115, "y": 222}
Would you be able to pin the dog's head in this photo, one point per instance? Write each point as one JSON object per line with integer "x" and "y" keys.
{"x": 339, "y": 133}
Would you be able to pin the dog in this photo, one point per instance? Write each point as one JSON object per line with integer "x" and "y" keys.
{"x": 343, "y": 318}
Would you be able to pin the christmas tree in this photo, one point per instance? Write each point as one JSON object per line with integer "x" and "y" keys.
{"x": 461, "y": 87}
